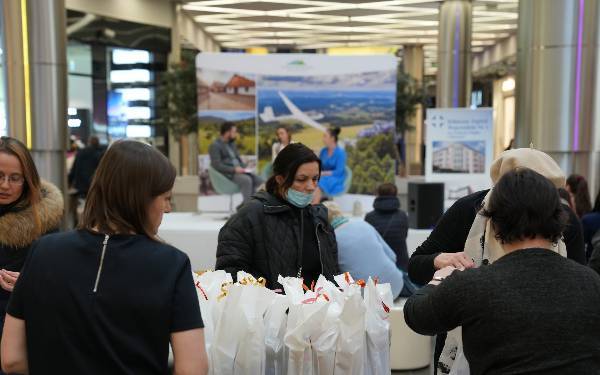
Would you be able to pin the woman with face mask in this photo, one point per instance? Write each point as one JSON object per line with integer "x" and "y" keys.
{"x": 279, "y": 232}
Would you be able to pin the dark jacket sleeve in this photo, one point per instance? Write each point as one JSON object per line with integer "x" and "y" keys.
{"x": 235, "y": 246}
{"x": 448, "y": 236}
{"x": 595, "y": 257}
{"x": 217, "y": 162}
{"x": 573, "y": 236}
{"x": 437, "y": 309}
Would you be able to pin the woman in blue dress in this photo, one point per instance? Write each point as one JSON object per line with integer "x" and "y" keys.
{"x": 333, "y": 162}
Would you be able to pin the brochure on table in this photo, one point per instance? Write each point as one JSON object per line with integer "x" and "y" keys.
{"x": 459, "y": 150}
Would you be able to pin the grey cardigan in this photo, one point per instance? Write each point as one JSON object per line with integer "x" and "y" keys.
{"x": 221, "y": 159}
{"x": 531, "y": 311}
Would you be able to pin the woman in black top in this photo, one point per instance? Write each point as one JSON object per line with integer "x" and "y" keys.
{"x": 108, "y": 298}
{"x": 278, "y": 232}
{"x": 531, "y": 311}
{"x": 29, "y": 208}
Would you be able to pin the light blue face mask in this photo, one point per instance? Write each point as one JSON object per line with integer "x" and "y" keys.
{"x": 298, "y": 198}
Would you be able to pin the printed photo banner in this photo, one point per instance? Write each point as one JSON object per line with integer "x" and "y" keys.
{"x": 459, "y": 149}
{"x": 306, "y": 93}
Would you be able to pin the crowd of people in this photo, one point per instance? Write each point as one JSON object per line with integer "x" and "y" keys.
{"x": 513, "y": 266}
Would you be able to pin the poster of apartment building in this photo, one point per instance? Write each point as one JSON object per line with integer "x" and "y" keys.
{"x": 459, "y": 149}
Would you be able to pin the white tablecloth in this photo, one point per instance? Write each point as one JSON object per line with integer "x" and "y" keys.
{"x": 197, "y": 235}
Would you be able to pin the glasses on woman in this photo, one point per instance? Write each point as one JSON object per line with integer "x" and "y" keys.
{"x": 13, "y": 179}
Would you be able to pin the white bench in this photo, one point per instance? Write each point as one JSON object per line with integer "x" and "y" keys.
{"x": 409, "y": 350}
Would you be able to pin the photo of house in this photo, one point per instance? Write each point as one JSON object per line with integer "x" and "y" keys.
{"x": 225, "y": 91}
{"x": 459, "y": 157}
{"x": 240, "y": 85}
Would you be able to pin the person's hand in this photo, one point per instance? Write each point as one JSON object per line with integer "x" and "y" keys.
{"x": 456, "y": 260}
{"x": 239, "y": 170}
{"x": 8, "y": 279}
{"x": 440, "y": 275}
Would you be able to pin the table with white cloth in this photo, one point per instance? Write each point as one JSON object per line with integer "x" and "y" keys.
{"x": 197, "y": 235}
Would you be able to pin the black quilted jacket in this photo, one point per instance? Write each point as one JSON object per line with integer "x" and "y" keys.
{"x": 263, "y": 238}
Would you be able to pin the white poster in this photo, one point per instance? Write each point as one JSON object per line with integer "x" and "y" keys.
{"x": 305, "y": 93}
{"x": 459, "y": 149}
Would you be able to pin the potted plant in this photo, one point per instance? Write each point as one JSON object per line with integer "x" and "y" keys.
{"x": 177, "y": 111}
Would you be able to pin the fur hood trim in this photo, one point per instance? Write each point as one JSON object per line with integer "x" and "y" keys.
{"x": 17, "y": 229}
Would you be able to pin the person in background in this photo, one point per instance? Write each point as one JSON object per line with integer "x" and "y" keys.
{"x": 85, "y": 165}
{"x": 532, "y": 310}
{"x": 29, "y": 208}
{"x": 391, "y": 222}
{"x": 284, "y": 138}
{"x": 279, "y": 232}
{"x": 333, "y": 159}
{"x": 109, "y": 297}
{"x": 225, "y": 158}
{"x": 447, "y": 243}
{"x": 362, "y": 252}
{"x": 591, "y": 225}
{"x": 577, "y": 187}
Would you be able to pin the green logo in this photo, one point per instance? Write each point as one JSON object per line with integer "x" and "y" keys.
{"x": 297, "y": 63}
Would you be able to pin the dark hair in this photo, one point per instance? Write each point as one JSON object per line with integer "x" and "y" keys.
{"x": 130, "y": 175}
{"x": 286, "y": 164}
{"x": 579, "y": 188}
{"x": 334, "y": 132}
{"x": 564, "y": 194}
{"x": 94, "y": 141}
{"x": 226, "y": 126}
{"x": 387, "y": 190}
{"x": 524, "y": 204}
{"x": 32, "y": 190}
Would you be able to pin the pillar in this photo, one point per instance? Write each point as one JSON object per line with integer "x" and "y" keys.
{"x": 413, "y": 63}
{"x": 454, "y": 54}
{"x": 557, "y": 83}
{"x": 37, "y": 82}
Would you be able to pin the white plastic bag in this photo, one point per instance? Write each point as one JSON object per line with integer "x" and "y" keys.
{"x": 350, "y": 354}
{"x": 302, "y": 324}
{"x": 460, "y": 366}
{"x": 377, "y": 328}
{"x": 275, "y": 325}
{"x": 250, "y": 357}
{"x": 208, "y": 287}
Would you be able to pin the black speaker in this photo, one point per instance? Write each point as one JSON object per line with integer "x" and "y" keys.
{"x": 425, "y": 204}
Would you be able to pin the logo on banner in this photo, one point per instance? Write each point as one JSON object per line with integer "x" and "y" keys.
{"x": 297, "y": 65}
{"x": 437, "y": 121}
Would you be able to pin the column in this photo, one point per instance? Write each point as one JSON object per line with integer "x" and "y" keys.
{"x": 413, "y": 63}
{"x": 557, "y": 83}
{"x": 454, "y": 54}
{"x": 37, "y": 81}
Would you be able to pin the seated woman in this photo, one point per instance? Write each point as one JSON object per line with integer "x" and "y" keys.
{"x": 278, "y": 232}
{"x": 284, "y": 138}
{"x": 362, "y": 251}
{"x": 109, "y": 297}
{"x": 532, "y": 310}
{"x": 333, "y": 160}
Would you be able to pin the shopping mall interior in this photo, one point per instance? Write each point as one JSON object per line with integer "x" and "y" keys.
{"x": 424, "y": 95}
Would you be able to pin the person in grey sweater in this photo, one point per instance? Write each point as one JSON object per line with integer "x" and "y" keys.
{"x": 225, "y": 158}
{"x": 530, "y": 311}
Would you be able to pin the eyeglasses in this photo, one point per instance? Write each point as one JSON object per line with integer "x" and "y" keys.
{"x": 13, "y": 179}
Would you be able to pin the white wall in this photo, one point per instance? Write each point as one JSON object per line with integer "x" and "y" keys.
{"x": 149, "y": 12}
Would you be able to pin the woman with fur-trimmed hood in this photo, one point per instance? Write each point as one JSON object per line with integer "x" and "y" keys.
{"x": 29, "y": 208}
